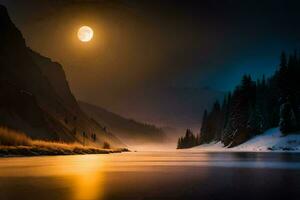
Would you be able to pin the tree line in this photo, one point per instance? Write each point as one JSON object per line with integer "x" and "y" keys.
{"x": 253, "y": 107}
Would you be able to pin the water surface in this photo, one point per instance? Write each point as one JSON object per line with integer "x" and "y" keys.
{"x": 152, "y": 175}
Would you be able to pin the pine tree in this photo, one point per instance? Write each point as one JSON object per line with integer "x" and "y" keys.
{"x": 254, "y": 107}
{"x": 261, "y": 102}
{"x": 283, "y": 81}
{"x": 272, "y": 104}
{"x": 256, "y": 122}
{"x": 218, "y": 118}
{"x": 188, "y": 141}
{"x": 243, "y": 99}
{"x": 287, "y": 122}
{"x": 179, "y": 143}
{"x": 203, "y": 130}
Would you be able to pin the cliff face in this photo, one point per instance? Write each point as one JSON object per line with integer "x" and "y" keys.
{"x": 35, "y": 96}
{"x": 57, "y": 79}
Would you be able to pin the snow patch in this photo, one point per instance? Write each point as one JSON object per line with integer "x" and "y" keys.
{"x": 271, "y": 140}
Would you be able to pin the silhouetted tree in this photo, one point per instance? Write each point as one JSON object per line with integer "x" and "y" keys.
{"x": 243, "y": 100}
{"x": 256, "y": 122}
{"x": 203, "y": 130}
{"x": 287, "y": 122}
{"x": 188, "y": 141}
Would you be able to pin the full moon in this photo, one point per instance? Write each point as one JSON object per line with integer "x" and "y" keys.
{"x": 85, "y": 34}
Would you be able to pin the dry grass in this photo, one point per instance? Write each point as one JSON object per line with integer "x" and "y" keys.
{"x": 17, "y": 143}
{"x": 10, "y": 137}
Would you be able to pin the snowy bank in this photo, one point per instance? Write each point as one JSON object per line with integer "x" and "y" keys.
{"x": 271, "y": 140}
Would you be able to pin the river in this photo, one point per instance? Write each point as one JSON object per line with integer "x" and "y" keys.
{"x": 152, "y": 175}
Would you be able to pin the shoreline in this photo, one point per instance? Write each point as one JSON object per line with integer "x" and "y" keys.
{"x": 224, "y": 150}
{"x": 20, "y": 151}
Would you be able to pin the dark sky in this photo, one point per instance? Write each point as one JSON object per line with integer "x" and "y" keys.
{"x": 151, "y": 43}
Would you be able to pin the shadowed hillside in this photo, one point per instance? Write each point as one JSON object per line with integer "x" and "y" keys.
{"x": 128, "y": 130}
{"x": 35, "y": 97}
{"x": 13, "y": 143}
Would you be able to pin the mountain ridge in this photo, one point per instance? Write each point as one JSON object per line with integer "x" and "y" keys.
{"x": 36, "y": 97}
{"x": 128, "y": 130}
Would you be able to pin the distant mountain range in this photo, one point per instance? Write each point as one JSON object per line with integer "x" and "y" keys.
{"x": 35, "y": 97}
{"x": 128, "y": 130}
{"x": 174, "y": 107}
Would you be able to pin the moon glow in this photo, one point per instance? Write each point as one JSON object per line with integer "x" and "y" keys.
{"x": 85, "y": 34}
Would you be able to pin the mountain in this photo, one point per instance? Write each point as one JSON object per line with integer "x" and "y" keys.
{"x": 128, "y": 81}
{"x": 35, "y": 96}
{"x": 128, "y": 130}
{"x": 177, "y": 107}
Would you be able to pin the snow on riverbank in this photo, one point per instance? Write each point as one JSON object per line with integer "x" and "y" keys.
{"x": 271, "y": 140}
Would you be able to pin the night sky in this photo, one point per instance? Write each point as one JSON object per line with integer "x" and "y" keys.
{"x": 151, "y": 44}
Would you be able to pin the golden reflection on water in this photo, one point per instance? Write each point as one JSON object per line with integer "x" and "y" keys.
{"x": 134, "y": 176}
{"x": 89, "y": 182}
{"x": 83, "y": 177}
{"x": 84, "y": 174}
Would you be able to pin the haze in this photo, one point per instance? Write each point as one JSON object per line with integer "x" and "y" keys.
{"x": 142, "y": 46}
